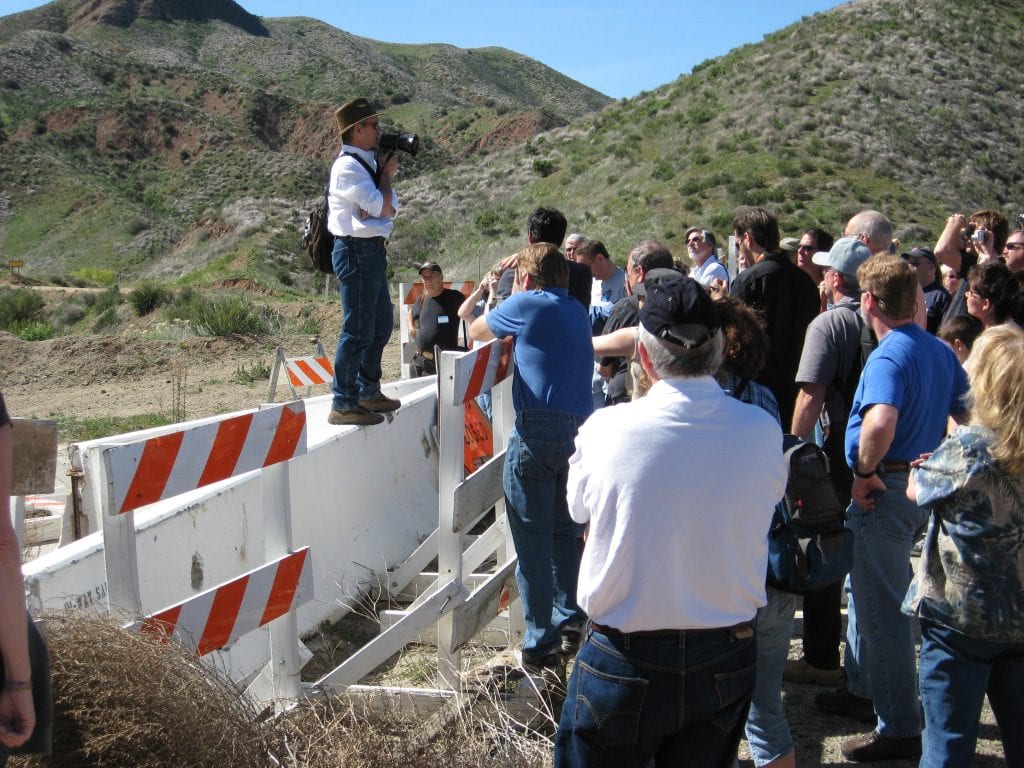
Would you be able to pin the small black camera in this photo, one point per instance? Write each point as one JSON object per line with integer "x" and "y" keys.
{"x": 406, "y": 142}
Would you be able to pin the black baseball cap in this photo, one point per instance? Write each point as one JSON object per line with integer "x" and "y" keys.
{"x": 680, "y": 312}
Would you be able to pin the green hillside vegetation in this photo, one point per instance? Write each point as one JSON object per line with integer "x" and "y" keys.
{"x": 190, "y": 147}
{"x": 189, "y": 143}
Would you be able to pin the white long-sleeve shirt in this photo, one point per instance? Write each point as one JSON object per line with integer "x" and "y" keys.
{"x": 353, "y": 199}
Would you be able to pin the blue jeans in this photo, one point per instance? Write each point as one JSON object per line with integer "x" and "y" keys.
{"x": 679, "y": 698}
{"x": 767, "y": 730}
{"x": 880, "y": 654}
{"x": 535, "y": 474}
{"x": 367, "y": 319}
{"x": 956, "y": 673}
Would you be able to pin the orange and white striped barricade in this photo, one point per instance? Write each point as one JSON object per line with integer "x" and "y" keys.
{"x": 447, "y": 603}
{"x": 217, "y": 617}
{"x": 409, "y": 293}
{"x": 308, "y": 371}
{"x": 149, "y": 470}
{"x": 462, "y": 501}
{"x": 145, "y": 471}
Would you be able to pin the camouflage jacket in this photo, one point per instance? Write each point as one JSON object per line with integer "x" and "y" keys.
{"x": 971, "y": 574}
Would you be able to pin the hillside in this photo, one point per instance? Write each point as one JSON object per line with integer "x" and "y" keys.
{"x": 152, "y": 143}
{"x": 909, "y": 107}
{"x": 134, "y": 131}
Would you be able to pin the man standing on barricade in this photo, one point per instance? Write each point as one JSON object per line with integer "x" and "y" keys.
{"x": 433, "y": 319}
{"x": 909, "y": 385}
{"x": 362, "y": 207}
{"x": 829, "y": 369}
{"x": 551, "y": 393}
{"x": 668, "y": 667}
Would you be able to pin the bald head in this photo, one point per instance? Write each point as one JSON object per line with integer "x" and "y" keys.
{"x": 873, "y": 228}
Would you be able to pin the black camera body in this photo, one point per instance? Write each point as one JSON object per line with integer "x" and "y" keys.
{"x": 405, "y": 142}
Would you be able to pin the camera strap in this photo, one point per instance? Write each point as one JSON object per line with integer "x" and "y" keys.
{"x": 375, "y": 175}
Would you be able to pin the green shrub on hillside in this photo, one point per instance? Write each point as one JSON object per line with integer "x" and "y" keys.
{"x": 107, "y": 300}
{"x": 32, "y": 330}
{"x": 147, "y": 296}
{"x": 228, "y": 317}
{"x": 105, "y": 320}
{"x": 20, "y": 305}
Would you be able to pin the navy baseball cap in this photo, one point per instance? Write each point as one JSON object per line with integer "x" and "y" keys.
{"x": 680, "y": 312}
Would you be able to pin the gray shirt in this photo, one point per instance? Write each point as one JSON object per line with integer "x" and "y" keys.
{"x": 831, "y": 349}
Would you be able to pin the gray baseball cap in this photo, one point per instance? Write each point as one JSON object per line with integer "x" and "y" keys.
{"x": 847, "y": 254}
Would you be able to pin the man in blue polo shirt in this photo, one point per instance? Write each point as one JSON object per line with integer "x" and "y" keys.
{"x": 553, "y": 362}
{"x": 909, "y": 386}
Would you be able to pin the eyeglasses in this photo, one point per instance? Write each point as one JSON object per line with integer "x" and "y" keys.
{"x": 1013, "y": 246}
{"x": 695, "y": 240}
{"x": 805, "y": 248}
{"x": 972, "y": 292}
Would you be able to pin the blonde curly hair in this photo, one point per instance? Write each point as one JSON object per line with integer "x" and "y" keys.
{"x": 997, "y": 392}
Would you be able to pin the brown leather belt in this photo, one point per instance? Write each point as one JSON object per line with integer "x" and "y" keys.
{"x": 425, "y": 354}
{"x": 742, "y": 630}
{"x": 895, "y": 466}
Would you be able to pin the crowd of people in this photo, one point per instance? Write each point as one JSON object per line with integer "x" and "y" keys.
{"x": 650, "y": 407}
{"x": 684, "y": 651}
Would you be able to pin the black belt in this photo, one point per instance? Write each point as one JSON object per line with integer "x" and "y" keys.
{"x": 895, "y": 466}
{"x": 378, "y": 239}
{"x": 742, "y": 630}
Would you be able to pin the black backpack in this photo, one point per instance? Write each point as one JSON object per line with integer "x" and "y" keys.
{"x": 809, "y": 546}
{"x": 317, "y": 240}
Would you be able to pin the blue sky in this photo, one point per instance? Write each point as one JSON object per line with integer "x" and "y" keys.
{"x": 600, "y": 43}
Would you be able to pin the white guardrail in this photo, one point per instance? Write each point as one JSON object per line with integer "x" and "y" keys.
{"x": 361, "y": 501}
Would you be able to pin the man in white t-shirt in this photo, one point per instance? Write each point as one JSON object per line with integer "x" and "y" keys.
{"x": 700, "y": 245}
{"x": 674, "y": 567}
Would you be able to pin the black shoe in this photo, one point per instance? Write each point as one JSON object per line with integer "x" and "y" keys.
{"x": 842, "y": 702}
{"x": 570, "y": 641}
{"x": 872, "y": 746}
{"x": 380, "y": 404}
{"x": 542, "y": 665}
{"x": 358, "y": 415}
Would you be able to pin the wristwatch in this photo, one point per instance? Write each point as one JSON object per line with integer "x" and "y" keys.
{"x": 863, "y": 475}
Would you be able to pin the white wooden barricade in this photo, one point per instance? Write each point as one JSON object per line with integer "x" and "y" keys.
{"x": 141, "y": 472}
{"x": 409, "y": 293}
{"x": 305, "y": 372}
{"x": 459, "y": 603}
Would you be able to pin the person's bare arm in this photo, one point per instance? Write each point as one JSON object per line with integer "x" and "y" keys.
{"x": 947, "y": 248}
{"x": 620, "y": 343}
{"x": 17, "y": 715}
{"x": 876, "y": 435}
{"x": 479, "y": 330}
{"x": 809, "y": 400}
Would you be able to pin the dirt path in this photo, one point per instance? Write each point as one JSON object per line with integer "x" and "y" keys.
{"x": 100, "y": 376}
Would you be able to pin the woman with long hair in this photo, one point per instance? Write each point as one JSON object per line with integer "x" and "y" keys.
{"x": 969, "y": 587}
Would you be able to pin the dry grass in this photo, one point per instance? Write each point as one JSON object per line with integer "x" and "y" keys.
{"x": 124, "y": 699}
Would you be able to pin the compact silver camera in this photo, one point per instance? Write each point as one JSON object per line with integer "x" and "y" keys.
{"x": 978, "y": 236}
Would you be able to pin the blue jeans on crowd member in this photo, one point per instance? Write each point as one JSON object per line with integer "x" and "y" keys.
{"x": 956, "y": 672}
{"x": 880, "y": 656}
{"x": 367, "y": 319}
{"x": 535, "y": 474}
{"x": 767, "y": 730}
{"x": 679, "y": 698}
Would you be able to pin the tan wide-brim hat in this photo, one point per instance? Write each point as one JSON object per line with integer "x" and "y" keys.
{"x": 352, "y": 112}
